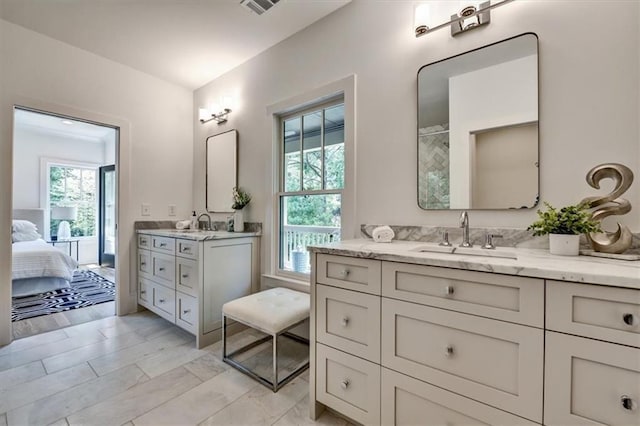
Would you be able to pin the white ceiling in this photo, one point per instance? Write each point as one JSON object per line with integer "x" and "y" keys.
{"x": 51, "y": 124}
{"x": 187, "y": 42}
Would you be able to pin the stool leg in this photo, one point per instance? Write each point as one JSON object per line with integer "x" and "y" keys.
{"x": 275, "y": 362}
{"x": 224, "y": 337}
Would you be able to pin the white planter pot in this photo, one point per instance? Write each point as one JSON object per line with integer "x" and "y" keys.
{"x": 564, "y": 245}
{"x": 238, "y": 221}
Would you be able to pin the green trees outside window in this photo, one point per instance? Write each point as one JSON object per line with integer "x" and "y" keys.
{"x": 74, "y": 186}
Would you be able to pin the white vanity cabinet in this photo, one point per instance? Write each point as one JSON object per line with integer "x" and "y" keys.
{"x": 395, "y": 340}
{"x": 589, "y": 381}
{"x": 187, "y": 281}
{"x": 396, "y": 343}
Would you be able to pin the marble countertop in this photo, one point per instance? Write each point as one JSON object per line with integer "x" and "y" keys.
{"x": 187, "y": 234}
{"x": 535, "y": 263}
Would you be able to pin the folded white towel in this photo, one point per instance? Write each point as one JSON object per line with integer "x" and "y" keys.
{"x": 383, "y": 234}
{"x": 183, "y": 224}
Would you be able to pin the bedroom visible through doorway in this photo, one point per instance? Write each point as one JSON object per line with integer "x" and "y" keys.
{"x": 64, "y": 221}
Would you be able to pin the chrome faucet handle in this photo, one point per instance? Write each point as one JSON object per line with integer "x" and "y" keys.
{"x": 488, "y": 241}
{"x": 445, "y": 239}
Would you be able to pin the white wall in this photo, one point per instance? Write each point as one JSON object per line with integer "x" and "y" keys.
{"x": 156, "y": 134}
{"x": 589, "y": 78}
{"x": 487, "y": 98}
{"x": 30, "y": 146}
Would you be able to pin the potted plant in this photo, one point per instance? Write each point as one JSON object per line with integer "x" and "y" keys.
{"x": 240, "y": 200}
{"x": 564, "y": 227}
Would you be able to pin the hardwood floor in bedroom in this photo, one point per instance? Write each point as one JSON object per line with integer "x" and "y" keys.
{"x": 140, "y": 369}
{"x": 45, "y": 323}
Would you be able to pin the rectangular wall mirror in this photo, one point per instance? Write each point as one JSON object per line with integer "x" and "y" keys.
{"x": 222, "y": 171}
{"x": 478, "y": 128}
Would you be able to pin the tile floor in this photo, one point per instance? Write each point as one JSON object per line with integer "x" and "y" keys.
{"x": 140, "y": 369}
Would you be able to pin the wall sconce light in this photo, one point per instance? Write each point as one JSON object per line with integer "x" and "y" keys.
{"x": 205, "y": 114}
{"x": 220, "y": 117}
{"x": 460, "y": 16}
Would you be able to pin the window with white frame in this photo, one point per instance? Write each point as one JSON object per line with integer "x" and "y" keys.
{"x": 73, "y": 186}
{"x": 312, "y": 170}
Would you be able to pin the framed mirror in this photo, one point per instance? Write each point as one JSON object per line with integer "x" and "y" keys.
{"x": 478, "y": 128}
{"x": 222, "y": 171}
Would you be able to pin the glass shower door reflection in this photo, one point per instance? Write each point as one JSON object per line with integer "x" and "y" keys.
{"x": 107, "y": 216}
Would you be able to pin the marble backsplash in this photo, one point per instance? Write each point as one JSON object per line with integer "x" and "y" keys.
{"x": 171, "y": 224}
{"x": 511, "y": 237}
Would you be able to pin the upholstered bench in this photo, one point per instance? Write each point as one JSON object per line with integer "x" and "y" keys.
{"x": 273, "y": 312}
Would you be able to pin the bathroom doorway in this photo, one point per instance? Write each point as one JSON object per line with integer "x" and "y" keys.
{"x": 65, "y": 183}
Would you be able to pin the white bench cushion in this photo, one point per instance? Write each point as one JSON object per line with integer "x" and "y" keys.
{"x": 271, "y": 311}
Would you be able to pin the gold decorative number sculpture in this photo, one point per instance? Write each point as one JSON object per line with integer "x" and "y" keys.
{"x": 610, "y": 205}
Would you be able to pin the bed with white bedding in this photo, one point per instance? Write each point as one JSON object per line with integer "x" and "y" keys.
{"x": 38, "y": 267}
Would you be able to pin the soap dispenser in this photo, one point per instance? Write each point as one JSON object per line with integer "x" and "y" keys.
{"x": 194, "y": 221}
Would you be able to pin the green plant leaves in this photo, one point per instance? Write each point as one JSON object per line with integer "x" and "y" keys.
{"x": 569, "y": 220}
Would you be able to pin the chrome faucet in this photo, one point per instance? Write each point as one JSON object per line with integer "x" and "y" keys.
{"x": 464, "y": 224}
{"x": 208, "y": 226}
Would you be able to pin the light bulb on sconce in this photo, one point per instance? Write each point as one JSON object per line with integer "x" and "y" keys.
{"x": 205, "y": 114}
{"x": 460, "y": 16}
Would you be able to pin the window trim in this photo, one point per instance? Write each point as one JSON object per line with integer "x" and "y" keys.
{"x": 345, "y": 87}
{"x": 45, "y": 201}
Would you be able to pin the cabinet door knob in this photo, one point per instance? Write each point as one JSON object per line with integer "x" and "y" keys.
{"x": 185, "y": 249}
{"x": 449, "y": 351}
{"x": 161, "y": 300}
{"x": 186, "y": 311}
{"x": 449, "y": 290}
{"x": 143, "y": 263}
{"x": 345, "y": 383}
{"x": 143, "y": 242}
{"x": 185, "y": 275}
{"x": 143, "y": 291}
{"x": 344, "y": 273}
{"x": 163, "y": 244}
{"x": 344, "y": 321}
{"x": 160, "y": 269}
{"x": 629, "y": 319}
{"x": 627, "y": 403}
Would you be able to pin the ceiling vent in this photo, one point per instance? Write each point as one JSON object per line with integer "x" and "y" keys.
{"x": 258, "y": 6}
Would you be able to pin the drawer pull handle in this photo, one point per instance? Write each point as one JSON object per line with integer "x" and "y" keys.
{"x": 161, "y": 300}
{"x": 186, "y": 249}
{"x": 163, "y": 244}
{"x": 185, "y": 275}
{"x": 627, "y": 403}
{"x": 143, "y": 291}
{"x": 143, "y": 242}
{"x": 344, "y": 273}
{"x": 186, "y": 311}
{"x": 629, "y": 319}
{"x": 143, "y": 263}
{"x": 160, "y": 269}
{"x": 449, "y": 290}
{"x": 345, "y": 383}
{"x": 449, "y": 351}
{"x": 345, "y": 321}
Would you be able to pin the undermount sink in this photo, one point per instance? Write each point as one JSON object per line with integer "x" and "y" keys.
{"x": 468, "y": 251}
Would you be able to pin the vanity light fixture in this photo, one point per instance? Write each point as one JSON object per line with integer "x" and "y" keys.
{"x": 220, "y": 117}
{"x": 460, "y": 16}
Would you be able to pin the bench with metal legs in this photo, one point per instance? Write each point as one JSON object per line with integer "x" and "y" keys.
{"x": 273, "y": 312}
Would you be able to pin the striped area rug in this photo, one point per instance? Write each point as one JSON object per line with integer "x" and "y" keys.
{"x": 87, "y": 288}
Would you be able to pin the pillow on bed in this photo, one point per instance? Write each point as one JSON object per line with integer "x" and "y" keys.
{"x": 23, "y": 226}
{"x": 17, "y": 237}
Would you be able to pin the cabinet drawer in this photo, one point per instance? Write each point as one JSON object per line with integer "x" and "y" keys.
{"x": 590, "y": 382}
{"x": 409, "y": 402}
{"x": 144, "y": 262}
{"x": 187, "y": 276}
{"x": 508, "y": 298}
{"x": 186, "y": 312}
{"x": 145, "y": 293}
{"x": 350, "y": 273}
{"x": 187, "y": 248}
{"x": 348, "y": 384}
{"x": 605, "y": 313}
{"x": 144, "y": 241}
{"x": 164, "y": 302}
{"x": 495, "y": 362}
{"x": 163, "y": 244}
{"x": 163, "y": 269}
{"x": 348, "y": 321}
